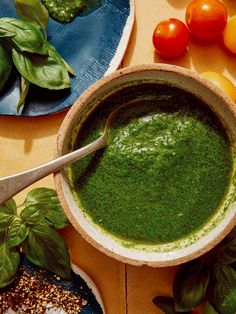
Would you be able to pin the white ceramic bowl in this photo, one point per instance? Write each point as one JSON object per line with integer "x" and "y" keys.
{"x": 154, "y": 255}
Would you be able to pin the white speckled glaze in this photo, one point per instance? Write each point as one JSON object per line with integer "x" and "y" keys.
{"x": 153, "y": 255}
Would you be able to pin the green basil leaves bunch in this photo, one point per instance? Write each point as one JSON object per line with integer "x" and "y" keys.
{"x": 31, "y": 231}
{"x": 209, "y": 280}
{"x": 36, "y": 60}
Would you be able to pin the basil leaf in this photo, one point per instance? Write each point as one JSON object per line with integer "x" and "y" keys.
{"x": 9, "y": 262}
{"x": 209, "y": 309}
{"x": 52, "y": 50}
{"x": 9, "y": 207}
{"x": 166, "y": 304}
{"x": 7, "y": 214}
{"x": 27, "y": 36}
{"x": 5, "y": 221}
{"x": 32, "y": 11}
{"x": 190, "y": 285}
{"x": 31, "y": 215}
{"x": 17, "y": 233}
{"x": 46, "y": 248}
{"x": 222, "y": 289}
{"x": 44, "y": 71}
{"x": 46, "y": 200}
{"x": 5, "y": 65}
{"x": 24, "y": 91}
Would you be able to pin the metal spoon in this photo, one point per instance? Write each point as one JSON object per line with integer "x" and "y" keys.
{"x": 11, "y": 185}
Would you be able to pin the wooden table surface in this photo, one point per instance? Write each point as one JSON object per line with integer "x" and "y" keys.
{"x": 27, "y": 142}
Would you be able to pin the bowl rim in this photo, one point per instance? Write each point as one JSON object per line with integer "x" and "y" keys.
{"x": 62, "y": 134}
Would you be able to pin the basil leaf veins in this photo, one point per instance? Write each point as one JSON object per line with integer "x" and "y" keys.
{"x": 27, "y": 37}
{"x": 9, "y": 261}
{"x": 7, "y": 214}
{"x": 17, "y": 233}
{"x": 44, "y": 246}
{"x": 44, "y": 71}
{"x": 46, "y": 202}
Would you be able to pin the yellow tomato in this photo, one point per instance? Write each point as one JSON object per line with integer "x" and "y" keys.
{"x": 222, "y": 82}
{"x": 229, "y": 35}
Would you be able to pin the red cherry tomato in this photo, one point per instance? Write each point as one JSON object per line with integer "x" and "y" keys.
{"x": 170, "y": 38}
{"x": 206, "y": 19}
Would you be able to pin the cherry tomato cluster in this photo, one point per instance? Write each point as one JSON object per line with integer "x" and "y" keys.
{"x": 205, "y": 20}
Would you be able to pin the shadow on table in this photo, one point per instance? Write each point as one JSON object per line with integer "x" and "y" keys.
{"x": 30, "y": 128}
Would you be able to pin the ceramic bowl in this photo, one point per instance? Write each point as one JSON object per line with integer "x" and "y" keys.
{"x": 153, "y": 255}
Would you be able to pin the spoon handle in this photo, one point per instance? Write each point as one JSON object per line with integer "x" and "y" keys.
{"x": 11, "y": 185}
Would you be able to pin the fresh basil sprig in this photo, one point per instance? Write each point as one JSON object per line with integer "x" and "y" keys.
{"x": 36, "y": 60}
{"x": 30, "y": 231}
{"x": 209, "y": 280}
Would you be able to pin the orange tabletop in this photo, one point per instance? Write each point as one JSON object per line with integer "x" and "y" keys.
{"x": 27, "y": 142}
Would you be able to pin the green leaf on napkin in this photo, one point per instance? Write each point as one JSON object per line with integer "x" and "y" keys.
{"x": 27, "y": 37}
{"x": 44, "y": 71}
{"x": 33, "y": 11}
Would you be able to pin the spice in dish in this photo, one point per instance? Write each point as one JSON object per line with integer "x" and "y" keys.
{"x": 33, "y": 293}
{"x": 165, "y": 172}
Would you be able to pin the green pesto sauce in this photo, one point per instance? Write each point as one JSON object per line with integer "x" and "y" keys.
{"x": 165, "y": 171}
{"x": 65, "y": 11}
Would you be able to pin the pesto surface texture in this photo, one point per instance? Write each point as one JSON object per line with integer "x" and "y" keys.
{"x": 165, "y": 172}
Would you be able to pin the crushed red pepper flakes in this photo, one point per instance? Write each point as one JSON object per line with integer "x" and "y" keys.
{"x": 31, "y": 293}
